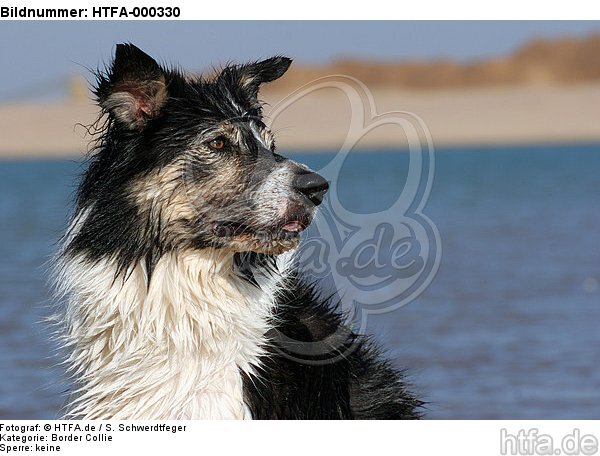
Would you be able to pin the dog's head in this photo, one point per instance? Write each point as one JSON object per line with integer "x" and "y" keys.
{"x": 187, "y": 162}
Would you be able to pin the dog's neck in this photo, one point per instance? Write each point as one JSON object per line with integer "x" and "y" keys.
{"x": 174, "y": 346}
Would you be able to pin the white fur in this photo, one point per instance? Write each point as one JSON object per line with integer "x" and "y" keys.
{"x": 173, "y": 348}
{"x": 273, "y": 196}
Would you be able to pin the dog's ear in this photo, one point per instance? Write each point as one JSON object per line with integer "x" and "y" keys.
{"x": 134, "y": 88}
{"x": 252, "y": 75}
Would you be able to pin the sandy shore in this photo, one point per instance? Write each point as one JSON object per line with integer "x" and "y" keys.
{"x": 321, "y": 120}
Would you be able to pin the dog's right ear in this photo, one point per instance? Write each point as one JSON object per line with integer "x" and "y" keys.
{"x": 134, "y": 89}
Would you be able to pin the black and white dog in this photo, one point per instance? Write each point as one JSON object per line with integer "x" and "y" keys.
{"x": 179, "y": 303}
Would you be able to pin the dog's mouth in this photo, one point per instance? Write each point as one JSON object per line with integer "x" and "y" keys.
{"x": 274, "y": 240}
{"x": 236, "y": 230}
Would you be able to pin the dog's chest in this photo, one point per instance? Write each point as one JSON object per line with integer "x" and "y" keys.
{"x": 221, "y": 400}
{"x": 230, "y": 337}
{"x": 176, "y": 347}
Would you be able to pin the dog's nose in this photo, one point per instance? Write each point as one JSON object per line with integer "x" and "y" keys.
{"x": 311, "y": 185}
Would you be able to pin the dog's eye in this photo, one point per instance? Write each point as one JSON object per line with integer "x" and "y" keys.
{"x": 217, "y": 143}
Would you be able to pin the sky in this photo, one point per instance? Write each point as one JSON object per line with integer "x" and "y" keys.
{"x": 38, "y": 57}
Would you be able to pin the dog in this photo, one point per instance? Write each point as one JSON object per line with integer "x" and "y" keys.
{"x": 180, "y": 301}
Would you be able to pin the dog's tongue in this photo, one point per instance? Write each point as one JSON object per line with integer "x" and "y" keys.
{"x": 294, "y": 226}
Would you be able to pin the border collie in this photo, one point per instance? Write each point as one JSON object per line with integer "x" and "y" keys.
{"x": 180, "y": 303}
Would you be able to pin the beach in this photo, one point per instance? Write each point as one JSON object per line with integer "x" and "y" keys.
{"x": 459, "y": 116}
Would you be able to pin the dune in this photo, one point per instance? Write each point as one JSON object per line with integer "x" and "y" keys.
{"x": 538, "y": 62}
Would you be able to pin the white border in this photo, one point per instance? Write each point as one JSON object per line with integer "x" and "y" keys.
{"x": 467, "y": 438}
{"x": 372, "y": 10}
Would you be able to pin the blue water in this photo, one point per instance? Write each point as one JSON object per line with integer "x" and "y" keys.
{"x": 509, "y": 327}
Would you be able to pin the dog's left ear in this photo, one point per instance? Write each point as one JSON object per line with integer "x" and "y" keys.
{"x": 252, "y": 75}
{"x": 134, "y": 88}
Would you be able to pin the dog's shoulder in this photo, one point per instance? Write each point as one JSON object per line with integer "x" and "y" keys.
{"x": 317, "y": 368}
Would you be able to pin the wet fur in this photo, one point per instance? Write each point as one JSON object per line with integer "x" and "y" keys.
{"x": 166, "y": 317}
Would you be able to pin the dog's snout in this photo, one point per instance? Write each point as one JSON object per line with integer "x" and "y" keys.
{"x": 311, "y": 185}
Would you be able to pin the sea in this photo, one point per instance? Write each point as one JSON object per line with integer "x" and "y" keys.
{"x": 507, "y": 327}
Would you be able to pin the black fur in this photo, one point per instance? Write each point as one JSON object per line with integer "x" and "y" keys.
{"x": 340, "y": 376}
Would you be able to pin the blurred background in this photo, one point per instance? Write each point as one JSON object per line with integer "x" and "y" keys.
{"x": 508, "y": 328}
